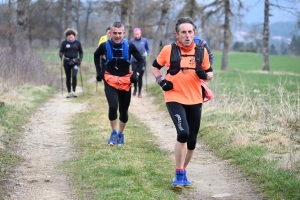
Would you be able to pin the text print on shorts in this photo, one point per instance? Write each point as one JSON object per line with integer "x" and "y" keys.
{"x": 179, "y": 122}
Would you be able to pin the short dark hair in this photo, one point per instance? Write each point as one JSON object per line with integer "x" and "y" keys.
{"x": 117, "y": 25}
{"x": 107, "y": 29}
{"x": 183, "y": 20}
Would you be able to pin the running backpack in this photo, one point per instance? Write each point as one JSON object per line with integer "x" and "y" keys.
{"x": 176, "y": 55}
{"x": 124, "y": 49}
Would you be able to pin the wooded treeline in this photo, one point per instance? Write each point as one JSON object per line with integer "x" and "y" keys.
{"x": 25, "y": 23}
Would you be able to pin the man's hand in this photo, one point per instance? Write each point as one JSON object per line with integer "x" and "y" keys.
{"x": 166, "y": 85}
{"x": 99, "y": 78}
{"x": 134, "y": 78}
{"x": 60, "y": 55}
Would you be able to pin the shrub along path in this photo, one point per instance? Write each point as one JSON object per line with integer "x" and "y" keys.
{"x": 211, "y": 177}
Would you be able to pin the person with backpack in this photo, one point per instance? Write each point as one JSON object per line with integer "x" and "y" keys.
{"x": 187, "y": 66}
{"x": 103, "y": 39}
{"x": 118, "y": 77}
{"x": 142, "y": 45}
{"x": 71, "y": 49}
{"x": 204, "y": 44}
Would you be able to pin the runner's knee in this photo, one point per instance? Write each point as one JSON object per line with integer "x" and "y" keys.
{"x": 112, "y": 113}
{"x": 182, "y": 136}
{"x": 123, "y": 117}
{"x": 191, "y": 145}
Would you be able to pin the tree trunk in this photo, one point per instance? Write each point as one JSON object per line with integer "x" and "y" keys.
{"x": 22, "y": 19}
{"x": 266, "y": 66}
{"x": 126, "y": 12}
{"x": 68, "y": 16}
{"x": 60, "y": 5}
{"x": 191, "y": 8}
{"x": 87, "y": 19}
{"x": 11, "y": 24}
{"x": 131, "y": 16}
{"x": 157, "y": 43}
{"x": 226, "y": 35}
{"x": 77, "y": 9}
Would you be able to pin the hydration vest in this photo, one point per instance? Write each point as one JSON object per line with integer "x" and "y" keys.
{"x": 109, "y": 51}
{"x": 176, "y": 55}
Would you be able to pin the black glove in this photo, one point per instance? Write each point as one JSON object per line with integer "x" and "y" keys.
{"x": 77, "y": 61}
{"x": 201, "y": 74}
{"x": 99, "y": 77}
{"x": 166, "y": 85}
{"x": 134, "y": 78}
{"x": 60, "y": 55}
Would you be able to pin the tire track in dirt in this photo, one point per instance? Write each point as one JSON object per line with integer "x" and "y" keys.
{"x": 211, "y": 177}
{"x": 43, "y": 147}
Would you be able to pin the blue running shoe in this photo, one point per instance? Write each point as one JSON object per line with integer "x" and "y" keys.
{"x": 113, "y": 138}
{"x": 120, "y": 139}
{"x": 186, "y": 182}
{"x": 178, "y": 179}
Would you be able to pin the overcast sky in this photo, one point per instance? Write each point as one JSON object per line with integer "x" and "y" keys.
{"x": 256, "y": 11}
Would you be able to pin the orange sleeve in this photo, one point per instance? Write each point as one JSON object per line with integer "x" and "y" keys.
{"x": 163, "y": 57}
{"x": 205, "y": 63}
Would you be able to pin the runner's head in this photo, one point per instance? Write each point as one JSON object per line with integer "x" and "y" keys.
{"x": 70, "y": 34}
{"x": 185, "y": 30}
{"x": 117, "y": 32}
{"x": 137, "y": 33}
{"x": 108, "y": 33}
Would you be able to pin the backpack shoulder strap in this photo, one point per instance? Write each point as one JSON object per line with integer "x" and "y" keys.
{"x": 199, "y": 54}
{"x": 175, "y": 55}
{"x": 108, "y": 47}
{"x": 125, "y": 50}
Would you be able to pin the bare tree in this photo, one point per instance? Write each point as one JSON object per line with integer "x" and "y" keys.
{"x": 77, "y": 8}
{"x": 266, "y": 34}
{"x": 190, "y": 9}
{"x": 225, "y": 9}
{"x": 68, "y": 14}
{"x": 11, "y": 25}
{"x": 22, "y": 19}
{"x": 227, "y": 35}
{"x": 158, "y": 42}
{"x": 127, "y": 7}
{"x": 89, "y": 10}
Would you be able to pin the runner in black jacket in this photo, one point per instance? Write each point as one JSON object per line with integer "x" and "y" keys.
{"x": 118, "y": 78}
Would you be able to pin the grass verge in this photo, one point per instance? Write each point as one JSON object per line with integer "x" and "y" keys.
{"x": 19, "y": 105}
{"x": 138, "y": 170}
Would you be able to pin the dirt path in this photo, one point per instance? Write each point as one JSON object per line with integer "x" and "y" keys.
{"x": 43, "y": 147}
{"x": 211, "y": 177}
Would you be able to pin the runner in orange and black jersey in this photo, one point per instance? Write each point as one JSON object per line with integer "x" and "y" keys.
{"x": 183, "y": 94}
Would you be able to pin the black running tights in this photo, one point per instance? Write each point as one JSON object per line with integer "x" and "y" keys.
{"x": 70, "y": 71}
{"x": 186, "y": 119}
{"x": 140, "y": 82}
{"x": 117, "y": 98}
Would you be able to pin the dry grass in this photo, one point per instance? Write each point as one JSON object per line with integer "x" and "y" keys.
{"x": 24, "y": 68}
{"x": 250, "y": 119}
